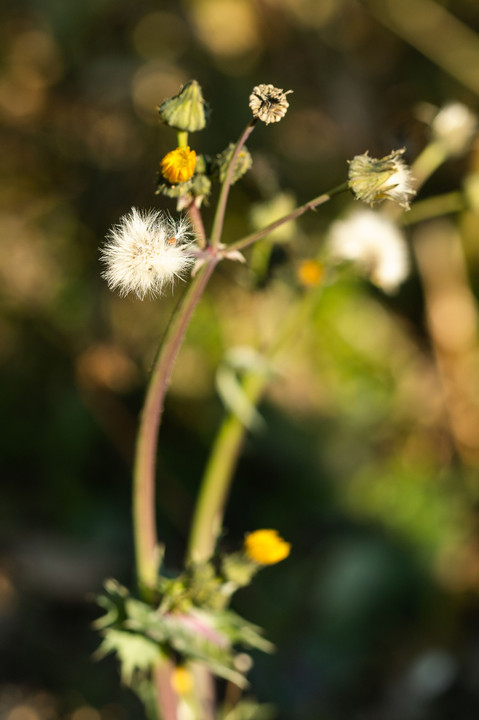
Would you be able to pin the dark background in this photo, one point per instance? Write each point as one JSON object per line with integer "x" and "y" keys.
{"x": 376, "y": 612}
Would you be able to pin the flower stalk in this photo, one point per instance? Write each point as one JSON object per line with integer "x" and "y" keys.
{"x": 216, "y": 481}
{"x": 310, "y": 205}
{"x": 225, "y": 188}
{"x": 144, "y": 505}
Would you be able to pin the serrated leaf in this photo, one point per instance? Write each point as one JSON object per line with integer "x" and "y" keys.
{"x": 135, "y": 652}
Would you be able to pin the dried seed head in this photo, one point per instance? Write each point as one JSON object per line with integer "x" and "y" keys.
{"x": 268, "y": 103}
{"x": 139, "y": 255}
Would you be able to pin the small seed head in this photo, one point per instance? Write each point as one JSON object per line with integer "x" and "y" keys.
{"x": 268, "y": 104}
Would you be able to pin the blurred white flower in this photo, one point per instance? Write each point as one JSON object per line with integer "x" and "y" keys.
{"x": 454, "y": 126}
{"x": 373, "y": 242}
{"x": 145, "y": 252}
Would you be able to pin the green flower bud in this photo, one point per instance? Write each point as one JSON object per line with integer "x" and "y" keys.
{"x": 242, "y": 164}
{"x": 186, "y": 111}
{"x": 198, "y": 188}
{"x": 238, "y": 569}
{"x": 174, "y": 191}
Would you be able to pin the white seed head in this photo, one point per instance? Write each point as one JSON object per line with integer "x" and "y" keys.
{"x": 373, "y": 242}
{"x": 373, "y": 180}
{"x": 454, "y": 126}
{"x": 145, "y": 252}
{"x": 268, "y": 103}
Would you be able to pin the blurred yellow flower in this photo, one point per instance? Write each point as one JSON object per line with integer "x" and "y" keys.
{"x": 181, "y": 680}
{"x": 310, "y": 273}
{"x": 266, "y": 547}
{"x": 179, "y": 165}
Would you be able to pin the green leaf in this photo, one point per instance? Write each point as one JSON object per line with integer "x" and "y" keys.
{"x": 135, "y": 652}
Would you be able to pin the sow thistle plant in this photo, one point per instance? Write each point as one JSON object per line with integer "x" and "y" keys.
{"x": 175, "y": 631}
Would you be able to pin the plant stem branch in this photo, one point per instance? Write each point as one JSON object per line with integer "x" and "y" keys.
{"x": 225, "y": 188}
{"x": 144, "y": 506}
{"x": 310, "y": 205}
{"x": 197, "y": 223}
{"x": 433, "y": 207}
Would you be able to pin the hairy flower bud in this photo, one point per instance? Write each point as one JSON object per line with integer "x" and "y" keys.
{"x": 186, "y": 111}
{"x": 242, "y": 163}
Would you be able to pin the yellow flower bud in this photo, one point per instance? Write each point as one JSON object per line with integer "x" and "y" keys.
{"x": 179, "y": 165}
{"x": 310, "y": 273}
{"x": 181, "y": 680}
{"x": 266, "y": 547}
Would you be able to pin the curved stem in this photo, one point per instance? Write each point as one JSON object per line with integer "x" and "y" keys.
{"x": 217, "y": 478}
{"x": 310, "y": 205}
{"x": 144, "y": 506}
{"x": 225, "y": 188}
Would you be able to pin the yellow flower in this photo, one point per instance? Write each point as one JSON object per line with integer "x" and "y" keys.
{"x": 310, "y": 273}
{"x": 179, "y": 165}
{"x": 266, "y": 547}
{"x": 181, "y": 680}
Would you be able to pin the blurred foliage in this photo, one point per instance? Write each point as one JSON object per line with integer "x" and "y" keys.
{"x": 369, "y": 460}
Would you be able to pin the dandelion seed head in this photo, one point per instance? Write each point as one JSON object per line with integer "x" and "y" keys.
{"x": 139, "y": 257}
{"x": 375, "y": 244}
{"x": 268, "y": 103}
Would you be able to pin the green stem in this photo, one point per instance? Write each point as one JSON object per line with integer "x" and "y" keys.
{"x": 217, "y": 478}
{"x": 216, "y": 482}
{"x": 434, "y": 207}
{"x": 144, "y": 506}
{"x": 427, "y": 162}
{"x": 310, "y": 205}
{"x": 219, "y": 218}
{"x": 182, "y": 138}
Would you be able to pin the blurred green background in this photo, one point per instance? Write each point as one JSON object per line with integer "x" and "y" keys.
{"x": 369, "y": 461}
